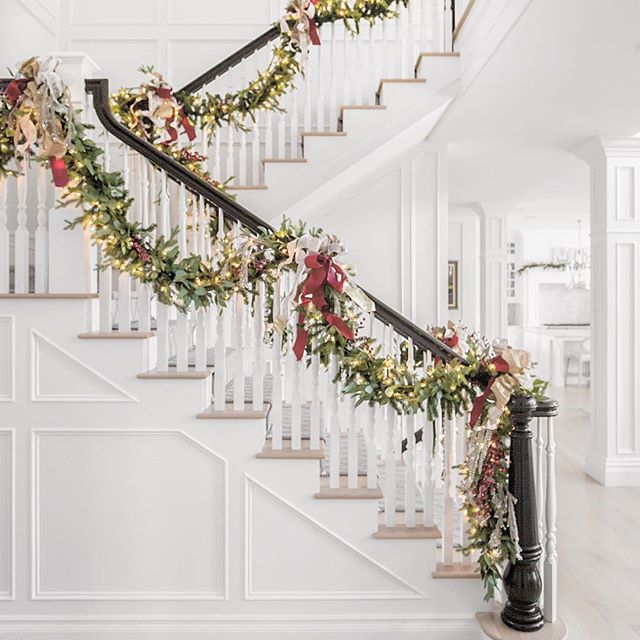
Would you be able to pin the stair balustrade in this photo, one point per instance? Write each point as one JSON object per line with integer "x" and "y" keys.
{"x": 256, "y": 375}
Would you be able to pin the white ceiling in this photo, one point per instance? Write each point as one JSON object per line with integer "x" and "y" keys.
{"x": 569, "y": 69}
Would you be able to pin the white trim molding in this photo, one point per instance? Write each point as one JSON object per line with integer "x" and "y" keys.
{"x": 11, "y": 546}
{"x": 37, "y": 593}
{"x": 407, "y": 592}
{"x": 8, "y": 359}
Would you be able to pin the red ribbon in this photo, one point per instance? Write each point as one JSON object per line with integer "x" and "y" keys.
{"x": 59, "y": 171}
{"x": 15, "y": 90}
{"x": 166, "y": 93}
{"x": 314, "y": 34}
{"x": 502, "y": 366}
{"x": 322, "y": 270}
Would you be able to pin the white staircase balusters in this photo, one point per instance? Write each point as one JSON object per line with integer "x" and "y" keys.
{"x": 281, "y": 123}
{"x": 184, "y": 204}
{"x": 411, "y": 426}
{"x": 255, "y": 151}
{"x": 447, "y": 494}
{"x": 390, "y": 467}
{"x": 539, "y": 459}
{"x": 428, "y": 480}
{"x": 276, "y": 359}
{"x": 320, "y": 79}
{"x": 296, "y": 400}
{"x": 551, "y": 555}
{"x": 372, "y": 452}
{"x": 268, "y": 135}
{"x": 144, "y": 291}
{"x": 258, "y": 359}
{"x": 41, "y": 235}
{"x": 201, "y": 339}
{"x": 334, "y": 425}
{"x": 352, "y": 443}
{"x": 447, "y": 26}
{"x": 359, "y": 66}
{"x": 163, "y": 338}
{"x": 333, "y": 84}
{"x": 4, "y": 237}
{"x": 314, "y": 443}
{"x": 21, "y": 236}
{"x": 294, "y": 134}
{"x": 238, "y": 352}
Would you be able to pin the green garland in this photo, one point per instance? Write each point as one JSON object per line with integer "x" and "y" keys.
{"x": 242, "y": 263}
{"x": 545, "y": 266}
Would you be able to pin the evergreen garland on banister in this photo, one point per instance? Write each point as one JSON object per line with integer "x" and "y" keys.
{"x": 545, "y": 266}
{"x": 326, "y": 309}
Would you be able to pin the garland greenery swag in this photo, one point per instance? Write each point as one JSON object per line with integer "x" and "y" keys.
{"x": 35, "y": 113}
{"x": 545, "y": 266}
{"x": 151, "y": 109}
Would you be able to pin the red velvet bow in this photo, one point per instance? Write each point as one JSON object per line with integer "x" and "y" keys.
{"x": 15, "y": 90}
{"x": 167, "y": 94}
{"x": 502, "y": 366}
{"x": 314, "y": 34}
{"x": 322, "y": 270}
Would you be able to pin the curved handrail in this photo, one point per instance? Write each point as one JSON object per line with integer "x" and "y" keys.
{"x": 99, "y": 88}
{"x": 233, "y": 60}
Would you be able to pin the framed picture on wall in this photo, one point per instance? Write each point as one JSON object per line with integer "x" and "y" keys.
{"x": 453, "y": 284}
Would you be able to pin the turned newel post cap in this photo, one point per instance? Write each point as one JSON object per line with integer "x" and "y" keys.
{"x": 547, "y": 408}
{"x": 522, "y": 407}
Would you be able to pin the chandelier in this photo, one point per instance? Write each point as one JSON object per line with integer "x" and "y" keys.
{"x": 578, "y": 265}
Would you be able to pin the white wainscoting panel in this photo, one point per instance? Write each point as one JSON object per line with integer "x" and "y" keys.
{"x": 291, "y": 556}
{"x": 114, "y": 12}
{"x": 7, "y": 359}
{"x": 256, "y": 12}
{"x": 58, "y": 376}
{"x": 127, "y": 515}
{"x": 7, "y": 514}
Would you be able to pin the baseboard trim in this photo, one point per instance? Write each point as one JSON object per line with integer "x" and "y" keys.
{"x": 234, "y": 624}
{"x": 614, "y": 472}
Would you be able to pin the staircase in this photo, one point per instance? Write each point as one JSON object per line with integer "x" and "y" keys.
{"x": 186, "y": 475}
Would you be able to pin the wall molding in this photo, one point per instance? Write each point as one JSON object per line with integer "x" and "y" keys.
{"x": 41, "y": 13}
{"x": 38, "y": 594}
{"x": 411, "y": 592}
{"x": 10, "y": 361}
{"x": 36, "y": 394}
{"x": 240, "y": 624}
{"x": 11, "y": 556}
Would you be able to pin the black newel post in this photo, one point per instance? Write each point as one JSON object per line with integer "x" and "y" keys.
{"x": 522, "y": 582}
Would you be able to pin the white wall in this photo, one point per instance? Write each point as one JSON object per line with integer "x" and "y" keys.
{"x": 181, "y": 39}
{"x": 393, "y": 223}
{"x": 464, "y": 247}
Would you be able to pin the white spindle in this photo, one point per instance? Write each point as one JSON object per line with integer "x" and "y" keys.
{"x": 268, "y": 135}
{"x": 184, "y": 204}
{"x": 201, "y": 340}
{"x": 352, "y": 452}
{"x": 428, "y": 473}
{"x": 551, "y": 555}
{"x": 163, "y": 338}
{"x": 447, "y": 497}
{"x": 124, "y": 301}
{"x": 334, "y": 426}
{"x": 201, "y": 249}
{"x": 255, "y": 152}
{"x": 238, "y": 354}
{"x": 258, "y": 359}
{"x": 315, "y": 400}
{"x": 242, "y": 157}
{"x": 447, "y": 27}
{"x": 346, "y": 75}
{"x": 333, "y": 85}
{"x": 21, "y": 237}
{"x": 216, "y": 164}
{"x": 296, "y": 402}
{"x": 320, "y": 81}
{"x": 372, "y": 454}
{"x": 276, "y": 411}
{"x": 164, "y": 224}
{"x": 182, "y": 342}
{"x": 4, "y": 238}
{"x": 359, "y": 65}
{"x": 539, "y": 477}
{"x": 144, "y": 292}
{"x": 293, "y": 122}
{"x": 41, "y": 235}
{"x": 220, "y": 380}
{"x": 371, "y": 77}
{"x": 411, "y": 426}
{"x": 390, "y": 468}
{"x": 282, "y": 131}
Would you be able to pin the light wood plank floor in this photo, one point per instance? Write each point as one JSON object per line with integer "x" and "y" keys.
{"x": 598, "y": 536}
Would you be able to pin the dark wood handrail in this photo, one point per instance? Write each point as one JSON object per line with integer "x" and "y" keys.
{"x": 99, "y": 89}
{"x": 230, "y": 62}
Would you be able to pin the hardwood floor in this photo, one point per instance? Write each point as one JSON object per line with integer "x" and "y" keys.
{"x": 598, "y": 536}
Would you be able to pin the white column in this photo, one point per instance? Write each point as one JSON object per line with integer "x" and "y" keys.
{"x": 614, "y": 455}
{"x": 493, "y": 271}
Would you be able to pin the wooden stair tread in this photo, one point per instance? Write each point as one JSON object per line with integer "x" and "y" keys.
{"x": 362, "y": 492}
{"x": 402, "y": 532}
{"x": 324, "y": 134}
{"x": 228, "y": 413}
{"x": 456, "y": 571}
{"x": 287, "y": 453}
{"x": 493, "y": 627}
{"x": 439, "y": 54}
{"x": 172, "y": 374}
{"x": 247, "y": 187}
{"x": 117, "y": 335}
{"x": 283, "y": 160}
